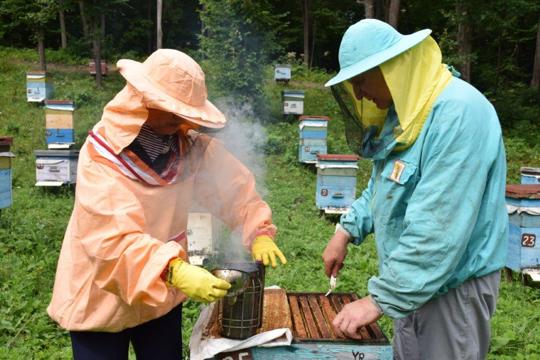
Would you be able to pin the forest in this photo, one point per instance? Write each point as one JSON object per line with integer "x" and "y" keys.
{"x": 494, "y": 44}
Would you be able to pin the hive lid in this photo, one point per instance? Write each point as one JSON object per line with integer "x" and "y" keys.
{"x": 6, "y": 140}
{"x": 338, "y": 157}
{"x": 313, "y": 117}
{"x": 294, "y": 93}
{"x": 530, "y": 170}
{"x": 66, "y": 105}
{"x": 57, "y": 153}
{"x": 36, "y": 73}
{"x": 523, "y": 191}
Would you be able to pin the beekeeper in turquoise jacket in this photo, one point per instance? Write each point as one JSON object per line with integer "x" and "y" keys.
{"x": 435, "y": 199}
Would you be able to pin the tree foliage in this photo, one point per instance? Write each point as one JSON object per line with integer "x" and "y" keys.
{"x": 237, "y": 40}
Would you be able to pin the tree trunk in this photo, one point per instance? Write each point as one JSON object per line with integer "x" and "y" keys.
{"x": 314, "y": 27}
{"x": 96, "y": 49}
{"x": 159, "y": 40}
{"x": 464, "y": 40}
{"x": 369, "y": 9}
{"x": 535, "y": 81}
{"x": 393, "y": 13}
{"x": 41, "y": 50}
{"x": 380, "y": 10}
{"x": 103, "y": 26}
{"x": 306, "y": 32}
{"x": 83, "y": 19}
{"x": 149, "y": 46}
{"x": 63, "y": 36}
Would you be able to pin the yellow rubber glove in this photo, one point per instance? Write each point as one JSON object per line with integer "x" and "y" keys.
{"x": 197, "y": 283}
{"x": 264, "y": 249}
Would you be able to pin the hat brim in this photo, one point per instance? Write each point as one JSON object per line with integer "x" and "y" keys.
{"x": 406, "y": 42}
{"x": 207, "y": 115}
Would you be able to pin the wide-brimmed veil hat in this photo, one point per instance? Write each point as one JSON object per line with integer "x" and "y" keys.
{"x": 172, "y": 81}
{"x": 369, "y": 43}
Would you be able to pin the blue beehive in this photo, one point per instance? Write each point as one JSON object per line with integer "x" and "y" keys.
{"x": 312, "y": 131}
{"x": 336, "y": 182}
{"x": 530, "y": 175}
{"x": 282, "y": 73}
{"x": 59, "y": 124}
{"x": 38, "y": 88}
{"x": 293, "y": 102}
{"x": 523, "y": 205}
{"x": 6, "y": 195}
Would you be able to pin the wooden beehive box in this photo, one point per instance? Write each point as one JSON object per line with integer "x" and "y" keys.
{"x": 6, "y": 190}
{"x": 201, "y": 229}
{"x": 38, "y": 86}
{"x": 312, "y": 132}
{"x": 293, "y": 102}
{"x": 336, "y": 182}
{"x": 56, "y": 167}
{"x": 282, "y": 72}
{"x": 309, "y": 316}
{"x": 92, "y": 67}
{"x": 59, "y": 128}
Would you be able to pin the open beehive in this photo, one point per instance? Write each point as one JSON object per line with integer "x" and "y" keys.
{"x": 308, "y": 315}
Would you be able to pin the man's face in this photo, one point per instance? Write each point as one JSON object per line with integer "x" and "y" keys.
{"x": 372, "y": 86}
{"x": 166, "y": 123}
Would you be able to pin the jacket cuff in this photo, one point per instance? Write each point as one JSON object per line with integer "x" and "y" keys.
{"x": 340, "y": 228}
{"x": 374, "y": 302}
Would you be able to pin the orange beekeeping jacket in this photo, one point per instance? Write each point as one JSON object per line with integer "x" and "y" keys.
{"x": 124, "y": 230}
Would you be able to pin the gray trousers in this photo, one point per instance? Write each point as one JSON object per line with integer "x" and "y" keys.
{"x": 454, "y": 326}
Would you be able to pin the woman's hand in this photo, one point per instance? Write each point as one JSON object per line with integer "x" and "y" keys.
{"x": 265, "y": 249}
{"x": 197, "y": 283}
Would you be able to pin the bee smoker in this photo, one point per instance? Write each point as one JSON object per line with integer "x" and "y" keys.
{"x": 241, "y": 314}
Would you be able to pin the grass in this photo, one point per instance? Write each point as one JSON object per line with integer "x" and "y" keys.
{"x": 31, "y": 231}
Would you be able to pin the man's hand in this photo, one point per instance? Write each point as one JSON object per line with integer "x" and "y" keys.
{"x": 355, "y": 315}
{"x": 334, "y": 254}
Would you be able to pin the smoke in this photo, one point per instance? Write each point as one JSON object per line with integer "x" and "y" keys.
{"x": 245, "y": 138}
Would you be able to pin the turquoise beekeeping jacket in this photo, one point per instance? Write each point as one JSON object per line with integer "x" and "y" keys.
{"x": 437, "y": 209}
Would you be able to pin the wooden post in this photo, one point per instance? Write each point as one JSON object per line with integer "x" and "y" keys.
{"x": 159, "y": 42}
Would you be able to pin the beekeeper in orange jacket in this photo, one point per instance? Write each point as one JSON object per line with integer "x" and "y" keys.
{"x": 123, "y": 270}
